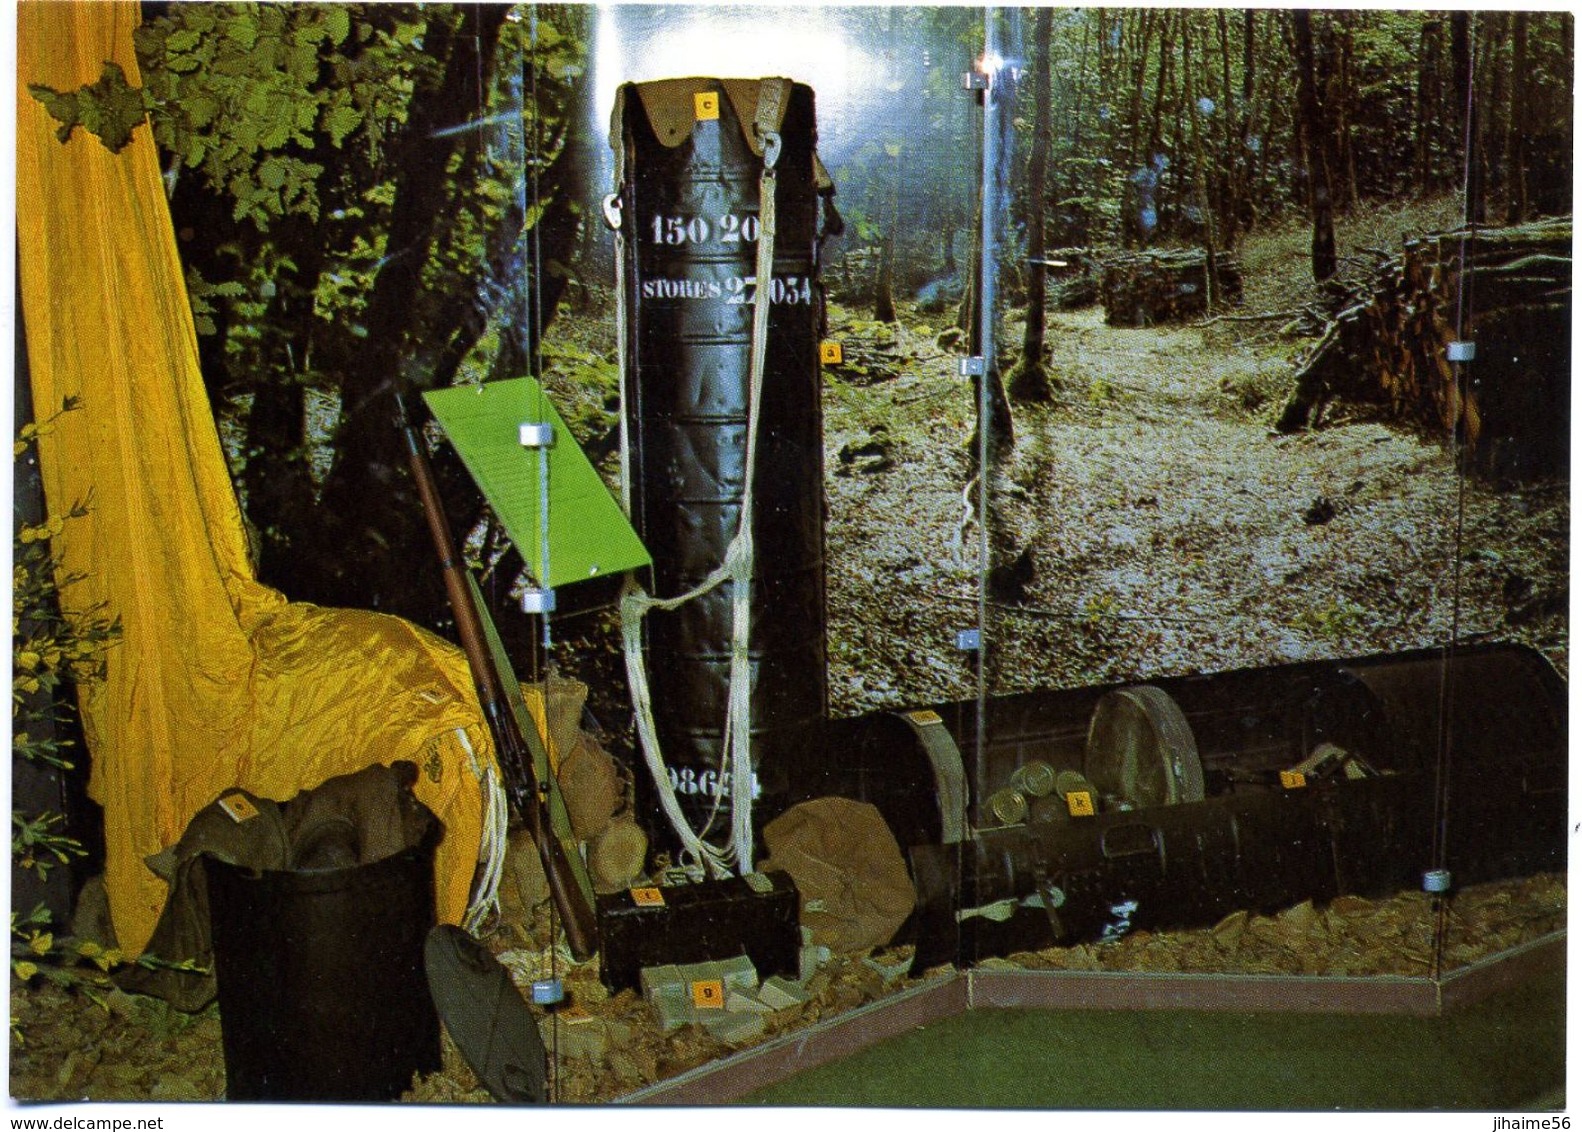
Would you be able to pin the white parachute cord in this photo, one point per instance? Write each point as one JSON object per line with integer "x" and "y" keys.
{"x": 492, "y": 845}
{"x": 742, "y": 550}
{"x": 634, "y": 605}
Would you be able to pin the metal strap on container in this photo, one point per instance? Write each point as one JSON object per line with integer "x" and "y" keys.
{"x": 950, "y": 776}
{"x": 618, "y": 137}
{"x": 771, "y": 110}
{"x": 1048, "y": 893}
{"x": 614, "y": 217}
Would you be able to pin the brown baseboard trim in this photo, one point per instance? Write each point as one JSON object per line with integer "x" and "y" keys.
{"x": 1125, "y": 990}
{"x": 1508, "y": 969}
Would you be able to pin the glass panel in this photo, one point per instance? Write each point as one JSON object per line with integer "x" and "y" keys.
{"x": 1500, "y": 285}
{"x": 1216, "y": 468}
{"x": 1245, "y": 473}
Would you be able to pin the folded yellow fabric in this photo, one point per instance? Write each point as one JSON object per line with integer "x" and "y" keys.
{"x": 217, "y": 681}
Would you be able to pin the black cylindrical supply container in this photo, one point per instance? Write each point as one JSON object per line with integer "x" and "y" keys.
{"x": 692, "y": 163}
{"x": 320, "y": 978}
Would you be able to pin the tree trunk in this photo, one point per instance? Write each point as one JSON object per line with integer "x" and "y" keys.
{"x": 884, "y": 286}
{"x": 999, "y": 105}
{"x": 1426, "y": 127}
{"x": 1270, "y": 103}
{"x": 1199, "y": 165}
{"x": 1516, "y": 126}
{"x": 1130, "y": 164}
{"x": 1463, "y": 115}
{"x": 1343, "y": 104}
{"x": 1029, "y": 381}
{"x": 1245, "y": 166}
{"x": 1068, "y": 232}
{"x": 972, "y": 293}
{"x": 368, "y": 527}
{"x": 1227, "y": 175}
{"x": 1311, "y": 116}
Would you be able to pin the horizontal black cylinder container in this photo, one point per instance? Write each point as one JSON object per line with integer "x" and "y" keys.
{"x": 320, "y": 978}
{"x": 1173, "y": 866}
{"x": 1499, "y": 710}
{"x": 1469, "y": 747}
{"x": 692, "y": 163}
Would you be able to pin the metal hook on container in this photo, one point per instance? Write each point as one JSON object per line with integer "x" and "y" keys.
{"x": 771, "y": 143}
{"x": 612, "y": 211}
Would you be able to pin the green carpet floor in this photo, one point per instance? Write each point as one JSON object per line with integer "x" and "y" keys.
{"x": 1506, "y": 1052}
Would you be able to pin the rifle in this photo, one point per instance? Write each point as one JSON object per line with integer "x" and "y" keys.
{"x": 512, "y": 747}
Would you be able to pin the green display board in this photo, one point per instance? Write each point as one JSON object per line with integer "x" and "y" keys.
{"x": 589, "y": 534}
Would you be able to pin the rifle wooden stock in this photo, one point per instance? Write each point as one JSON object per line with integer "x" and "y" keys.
{"x": 511, "y": 746}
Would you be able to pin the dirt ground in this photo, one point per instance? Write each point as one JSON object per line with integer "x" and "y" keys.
{"x": 135, "y": 1048}
{"x": 1169, "y": 530}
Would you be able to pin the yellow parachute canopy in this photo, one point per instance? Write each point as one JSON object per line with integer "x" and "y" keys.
{"x": 217, "y": 681}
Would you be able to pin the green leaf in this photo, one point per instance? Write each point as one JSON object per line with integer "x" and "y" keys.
{"x": 338, "y": 23}
{"x": 182, "y": 40}
{"x": 272, "y": 173}
{"x": 243, "y": 28}
{"x": 308, "y": 34}
{"x": 182, "y": 64}
{"x": 305, "y": 62}
{"x": 200, "y": 108}
{"x": 110, "y": 109}
{"x": 341, "y": 121}
{"x": 201, "y": 18}
{"x": 61, "y": 107}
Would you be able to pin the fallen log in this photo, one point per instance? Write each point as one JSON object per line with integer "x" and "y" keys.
{"x": 1073, "y": 277}
{"x": 1509, "y": 290}
{"x": 1150, "y": 287}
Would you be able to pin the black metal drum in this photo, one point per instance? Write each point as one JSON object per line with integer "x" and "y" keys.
{"x": 692, "y": 163}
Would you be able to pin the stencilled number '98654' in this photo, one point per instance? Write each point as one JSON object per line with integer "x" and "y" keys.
{"x": 708, "y": 782}
{"x": 677, "y": 231}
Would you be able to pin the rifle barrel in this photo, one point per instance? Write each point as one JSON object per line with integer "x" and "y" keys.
{"x": 511, "y": 750}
